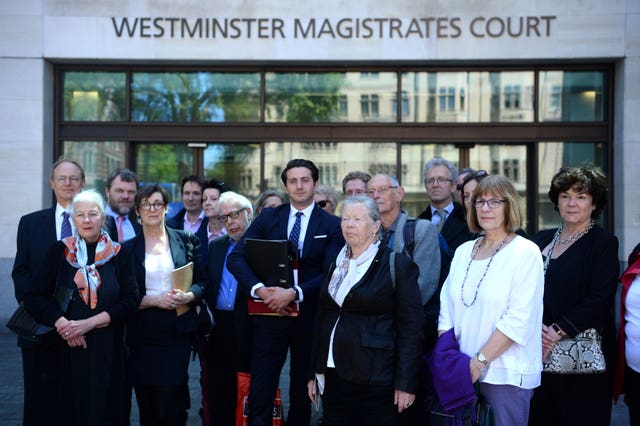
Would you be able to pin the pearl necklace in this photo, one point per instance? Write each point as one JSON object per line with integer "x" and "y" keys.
{"x": 474, "y": 253}
{"x": 574, "y": 237}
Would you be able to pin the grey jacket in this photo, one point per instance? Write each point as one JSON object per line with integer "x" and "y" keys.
{"x": 426, "y": 253}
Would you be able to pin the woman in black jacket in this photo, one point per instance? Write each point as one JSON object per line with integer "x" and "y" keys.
{"x": 369, "y": 329}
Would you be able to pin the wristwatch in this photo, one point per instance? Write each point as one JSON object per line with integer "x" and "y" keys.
{"x": 482, "y": 360}
{"x": 297, "y": 294}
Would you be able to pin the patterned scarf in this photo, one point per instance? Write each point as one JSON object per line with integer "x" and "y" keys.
{"x": 87, "y": 278}
{"x": 342, "y": 265}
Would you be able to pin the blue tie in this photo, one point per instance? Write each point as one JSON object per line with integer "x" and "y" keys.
{"x": 65, "y": 230}
{"x": 294, "y": 235}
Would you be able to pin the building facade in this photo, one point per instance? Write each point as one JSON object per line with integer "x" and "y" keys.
{"x": 233, "y": 90}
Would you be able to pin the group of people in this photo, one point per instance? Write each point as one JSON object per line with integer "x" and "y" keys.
{"x": 388, "y": 319}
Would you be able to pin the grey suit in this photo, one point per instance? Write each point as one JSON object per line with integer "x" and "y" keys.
{"x": 426, "y": 253}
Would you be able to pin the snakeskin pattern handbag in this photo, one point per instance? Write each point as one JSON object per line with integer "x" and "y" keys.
{"x": 581, "y": 354}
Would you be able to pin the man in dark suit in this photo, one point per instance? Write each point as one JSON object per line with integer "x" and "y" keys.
{"x": 36, "y": 232}
{"x": 314, "y": 241}
{"x": 191, "y": 217}
{"x": 440, "y": 178}
{"x": 121, "y": 188}
{"x": 229, "y": 307}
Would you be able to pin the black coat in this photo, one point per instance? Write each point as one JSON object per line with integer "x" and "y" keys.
{"x": 379, "y": 336}
{"x": 177, "y": 222}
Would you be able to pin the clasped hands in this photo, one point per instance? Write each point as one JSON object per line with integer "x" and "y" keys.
{"x": 277, "y": 299}
{"x": 73, "y": 331}
{"x": 174, "y": 298}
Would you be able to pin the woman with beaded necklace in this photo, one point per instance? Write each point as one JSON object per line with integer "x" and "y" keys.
{"x": 580, "y": 284}
{"x": 492, "y": 300}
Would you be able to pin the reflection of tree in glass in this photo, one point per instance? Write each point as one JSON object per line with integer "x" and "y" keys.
{"x": 304, "y": 97}
{"x": 230, "y": 163}
{"x": 163, "y": 163}
{"x": 94, "y": 96}
{"x": 195, "y": 97}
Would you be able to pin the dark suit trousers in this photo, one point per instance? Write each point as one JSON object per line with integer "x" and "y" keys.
{"x": 41, "y": 383}
{"x": 272, "y": 337}
{"x": 222, "y": 368}
{"x": 352, "y": 404}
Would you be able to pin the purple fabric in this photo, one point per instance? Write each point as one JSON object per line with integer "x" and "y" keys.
{"x": 451, "y": 378}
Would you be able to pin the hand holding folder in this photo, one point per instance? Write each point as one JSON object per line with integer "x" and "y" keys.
{"x": 182, "y": 279}
{"x": 269, "y": 261}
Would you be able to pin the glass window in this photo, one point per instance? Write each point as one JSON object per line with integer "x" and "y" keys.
{"x": 468, "y": 97}
{"x": 94, "y": 96}
{"x": 330, "y": 97}
{"x": 414, "y": 157}
{"x": 551, "y": 157}
{"x": 572, "y": 96}
{"x": 98, "y": 159}
{"x": 238, "y": 165}
{"x": 195, "y": 97}
{"x": 166, "y": 164}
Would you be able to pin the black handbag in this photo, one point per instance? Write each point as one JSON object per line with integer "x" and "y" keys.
{"x": 25, "y": 325}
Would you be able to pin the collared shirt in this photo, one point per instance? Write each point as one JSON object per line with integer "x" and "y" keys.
{"x": 435, "y": 219}
{"x": 59, "y": 211}
{"x": 193, "y": 227}
{"x": 127, "y": 227}
{"x": 228, "y": 285}
{"x": 211, "y": 236}
{"x": 304, "y": 222}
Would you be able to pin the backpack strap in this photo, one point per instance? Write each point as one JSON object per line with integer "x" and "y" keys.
{"x": 392, "y": 268}
{"x": 409, "y": 236}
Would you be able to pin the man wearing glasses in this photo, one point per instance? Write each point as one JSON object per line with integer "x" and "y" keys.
{"x": 355, "y": 183}
{"x": 228, "y": 347}
{"x": 36, "y": 232}
{"x": 440, "y": 177}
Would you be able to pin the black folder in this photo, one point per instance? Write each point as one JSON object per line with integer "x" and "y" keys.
{"x": 269, "y": 260}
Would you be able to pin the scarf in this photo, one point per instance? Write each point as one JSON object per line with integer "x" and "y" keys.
{"x": 87, "y": 278}
{"x": 342, "y": 265}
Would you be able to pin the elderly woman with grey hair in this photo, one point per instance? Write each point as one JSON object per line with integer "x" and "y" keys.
{"x": 98, "y": 274}
{"x": 369, "y": 328}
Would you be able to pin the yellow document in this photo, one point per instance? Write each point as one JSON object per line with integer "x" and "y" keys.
{"x": 182, "y": 279}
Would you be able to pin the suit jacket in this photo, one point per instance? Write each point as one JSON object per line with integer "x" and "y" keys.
{"x": 36, "y": 233}
{"x": 426, "y": 253}
{"x": 323, "y": 241}
{"x": 177, "y": 222}
{"x": 217, "y": 252}
{"x": 158, "y": 325}
{"x": 111, "y": 228}
{"x": 455, "y": 229}
{"x": 378, "y": 338}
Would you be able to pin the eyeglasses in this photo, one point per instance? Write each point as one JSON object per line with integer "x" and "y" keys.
{"x": 383, "y": 190}
{"x": 439, "y": 180}
{"x": 493, "y": 203}
{"x": 158, "y": 205}
{"x": 323, "y": 203}
{"x": 63, "y": 179}
{"x": 354, "y": 192}
{"x": 232, "y": 215}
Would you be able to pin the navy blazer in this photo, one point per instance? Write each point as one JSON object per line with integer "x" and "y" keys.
{"x": 217, "y": 253}
{"x": 323, "y": 240}
{"x": 177, "y": 222}
{"x": 36, "y": 233}
{"x": 155, "y": 324}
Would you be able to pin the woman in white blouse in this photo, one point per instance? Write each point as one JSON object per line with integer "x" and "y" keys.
{"x": 492, "y": 299}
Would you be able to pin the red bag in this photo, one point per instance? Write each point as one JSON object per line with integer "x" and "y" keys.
{"x": 242, "y": 403}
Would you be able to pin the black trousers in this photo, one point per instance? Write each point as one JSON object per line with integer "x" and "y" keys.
{"x": 222, "y": 368}
{"x": 351, "y": 404}
{"x": 163, "y": 405}
{"x": 40, "y": 368}
{"x": 272, "y": 338}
